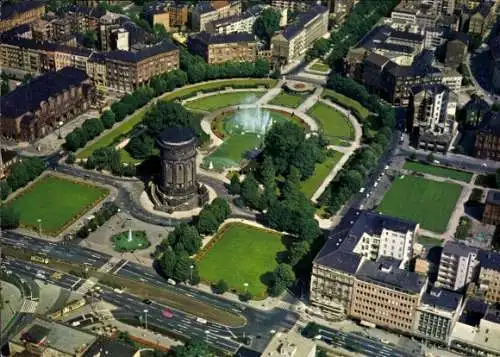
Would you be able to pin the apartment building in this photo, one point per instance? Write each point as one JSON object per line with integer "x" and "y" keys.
{"x": 432, "y": 116}
{"x": 293, "y": 42}
{"x": 437, "y": 314}
{"x": 292, "y": 5}
{"x": 340, "y": 9}
{"x": 487, "y": 142}
{"x": 481, "y": 19}
{"x": 476, "y": 331}
{"x": 126, "y": 70}
{"x": 491, "y": 213}
{"x": 489, "y": 276}
{"x": 231, "y": 24}
{"x": 361, "y": 235}
{"x": 19, "y": 13}
{"x": 218, "y": 48}
{"x": 35, "y": 109}
{"x": 83, "y": 18}
{"x": 96, "y": 69}
{"x": 386, "y": 295}
{"x": 459, "y": 266}
{"x": 177, "y": 14}
{"x": 76, "y": 57}
{"x": 205, "y": 12}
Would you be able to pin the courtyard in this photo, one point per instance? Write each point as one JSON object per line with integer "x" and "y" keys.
{"x": 429, "y": 203}
{"x": 241, "y": 254}
{"x": 335, "y": 125}
{"x": 54, "y": 202}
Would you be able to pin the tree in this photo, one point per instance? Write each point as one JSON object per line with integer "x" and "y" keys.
{"x": 430, "y": 157}
{"x": 5, "y": 189}
{"x": 71, "y": 158}
{"x": 281, "y": 144}
{"x": 267, "y": 170}
{"x": 90, "y": 39}
{"x": 220, "y": 287}
{"x": 283, "y": 278}
{"x": 92, "y": 127}
{"x": 182, "y": 268}
{"x": 261, "y": 67}
{"x": 194, "y": 348}
{"x": 220, "y": 209}
{"x": 141, "y": 146}
{"x": 297, "y": 251}
{"x": 291, "y": 188}
{"x": 168, "y": 261}
{"x": 250, "y": 191}
{"x": 311, "y": 330}
{"x": 234, "y": 185}
{"x": 19, "y": 176}
{"x": 246, "y": 296}
{"x": 120, "y": 109}
{"x": 185, "y": 238}
{"x": 73, "y": 141}
{"x": 267, "y": 24}
{"x": 160, "y": 32}
{"x": 9, "y": 217}
{"x": 108, "y": 119}
{"x": 207, "y": 223}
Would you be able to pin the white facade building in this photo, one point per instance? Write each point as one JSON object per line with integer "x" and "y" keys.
{"x": 459, "y": 265}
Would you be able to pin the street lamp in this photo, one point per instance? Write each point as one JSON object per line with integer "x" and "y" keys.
{"x": 246, "y": 287}
{"x": 146, "y": 319}
{"x": 60, "y": 124}
{"x": 191, "y": 272}
{"x": 39, "y": 220}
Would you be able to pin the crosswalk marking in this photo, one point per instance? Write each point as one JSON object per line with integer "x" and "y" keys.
{"x": 29, "y": 306}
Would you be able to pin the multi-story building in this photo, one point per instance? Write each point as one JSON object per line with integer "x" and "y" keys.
{"x": 61, "y": 28}
{"x": 21, "y": 53}
{"x": 291, "y": 5}
{"x": 489, "y": 276}
{"x": 96, "y": 69}
{"x": 360, "y": 235}
{"x": 236, "y": 23}
{"x": 481, "y": 19}
{"x": 83, "y": 18}
{"x": 476, "y": 331}
{"x": 42, "y": 30}
{"x": 177, "y": 14}
{"x": 234, "y": 47}
{"x": 458, "y": 267}
{"x": 208, "y": 11}
{"x": 487, "y": 142}
{"x": 386, "y": 295}
{"x": 495, "y": 62}
{"x": 126, "y": 70}
{"x": 7, "y": 159}
{"x": 475, "y": 110}
{"x": 340, "y": 9}
{"x": 19, "y": 13}
{"x": 35, "y": 109}
{"x": 491, "y": 213}
{"x": 289, "y": 45}
{"x": 456, "y": 49}
{"x": 432, "y": 116}
{"x": 437, "y": 314}
{"x": 76, "y": 57}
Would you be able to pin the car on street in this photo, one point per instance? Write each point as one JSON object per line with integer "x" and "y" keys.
{"x": 167, "y": 313}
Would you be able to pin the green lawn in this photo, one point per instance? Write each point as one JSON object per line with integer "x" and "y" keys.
{"x": 321, "y": 171}
{"x": 126, "y": 158}
{"x": 121, "y": 242}
{"x": 333, "y": 123}
{"x": 243, "y": 254}
{"x": 427, "y": 202}
{"x": 288, "y": 100}
{"x": 346, "y": 102}
{"x": 184, "y": 92}
{"x": 438, "y": 171}
{"x": 217, "y": 101}
{"x": 56, "y": 201}
{"x": 429, "y": 241}
{"x": 320, "y": 67}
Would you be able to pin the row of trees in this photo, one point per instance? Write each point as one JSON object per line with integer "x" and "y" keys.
{"x": 108, "y": 210}
{"x": 173, "y": 253}
{"x": 198, "y": 70}
{"x": 377, "y": 135}
{"x": 108, "y": 158}
{"x": 21, "y": 174}
{"x": 9, "y": 217}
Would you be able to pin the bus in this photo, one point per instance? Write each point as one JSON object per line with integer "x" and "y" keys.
{"x": 40, "y": 259}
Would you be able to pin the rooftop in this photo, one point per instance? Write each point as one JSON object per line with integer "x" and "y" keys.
{"x": 146, "y": 52}
{"x": 432, "y": 88}
{"x": 59, "y": 337}
{"x": 473, "y": 312}
{"x": 110, "y": 348}
{"x": 490, "y": 123}
{"x": 303, "y": 18}
{"x": 489, "y": 260}
{"x": 493, "y": 197}
{"x": 289, "y": 344}
{"x": 174, "y": 136}
{"x": 212, "y": 39}
{"x": 26, "y": 98}
{"x": 376, "y": 59}
{"x": 96, "y": 12}
{"x": 492, "y": 315}
{"x": 442, "y": 298}
{"x": 42, "y": 45}
{"x": 385, "y": 272}
{"x": 457, "y": 249}
{"x": 405, "y": 35}
{"x": 12, "y": 10}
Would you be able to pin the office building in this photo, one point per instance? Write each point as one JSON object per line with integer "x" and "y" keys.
{"x": 292, "y": 43}
{"x": 487, "y": 142}
{"x": 385, "y": 295}
{"x": 35, "y": 109}
{"x": 476, "y": 331}
{"x": 127, "y": 70}
{"x": 437, "y": 314}
{"x": 205, "y": 12}
{"x": 491, "y": 213}
{"x": 19, "y": 13}
{"x": 458, "y": 267}
{"x": 489, "y": 276}
{"x": 234, "y": 47}
{"x": 432, "y": 116}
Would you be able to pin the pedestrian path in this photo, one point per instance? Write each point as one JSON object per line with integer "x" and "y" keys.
{"x": 109, "y": 265}
{"x": 310, "y": 101}
{"x": 29, "y": 306}
{"x": 273, "y": 92}
{"x": 86, "y": 286}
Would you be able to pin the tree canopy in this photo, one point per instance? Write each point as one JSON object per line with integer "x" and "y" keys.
{"x": 267, "y": 24}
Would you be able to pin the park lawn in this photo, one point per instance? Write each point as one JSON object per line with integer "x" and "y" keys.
{"x": 232, "y": 151}
{"x": 217, "y": 101}
{"x": 184, "y": 92}
{"x": 321, "y": 171}
{"x": 126, "y": 158}
{"x": 429, "y": 241}
{"x": 346, "y": 102}
{"x": 56, "y": 201}
{"x": 438, "y": 171}
{"x": 288, "y": 100}
{"x": 333, "y": 123}
{"x": 241, "y": 254}
{"x": 429, "y": 203}
{"x": 320, "y": 67}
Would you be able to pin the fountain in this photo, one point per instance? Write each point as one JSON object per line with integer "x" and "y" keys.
{"x": 130, "y": 235}
{"x": 254, "y": 120}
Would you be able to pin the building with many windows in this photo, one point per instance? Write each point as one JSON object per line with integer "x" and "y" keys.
{"x": 459, "y": 266}
{"x": 491, "y": 213}
{"x": 487, "y": 142}
{"x": 19, "y": 13}
{"x": 489, "y": 276}
{"x": 127, "y": 70}
{"x": 437, "y": 314}
{"x": 219, "y": 48}
{"x": 205, "y": 12}
{"x": 36, "y": 108}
